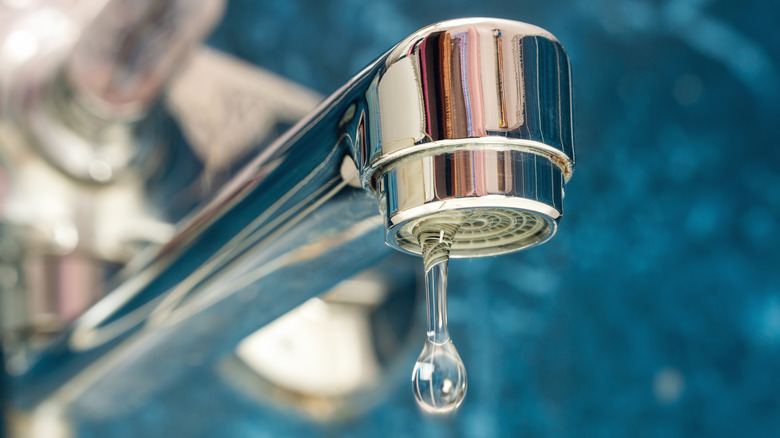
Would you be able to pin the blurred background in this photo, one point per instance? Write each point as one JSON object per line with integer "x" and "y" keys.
{"x": 654, "y": 312}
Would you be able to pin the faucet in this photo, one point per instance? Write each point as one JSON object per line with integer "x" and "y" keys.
{"x": 467, "y": 115}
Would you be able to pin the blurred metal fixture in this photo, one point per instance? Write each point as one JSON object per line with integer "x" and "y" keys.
{"x": 337, "y": 355}
{"x": 79, "y": 81}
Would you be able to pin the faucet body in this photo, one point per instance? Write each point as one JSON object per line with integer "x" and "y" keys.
{"x": 470, "y": 114}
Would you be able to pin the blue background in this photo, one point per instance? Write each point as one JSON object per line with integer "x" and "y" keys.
{"x": 655, "y": 311}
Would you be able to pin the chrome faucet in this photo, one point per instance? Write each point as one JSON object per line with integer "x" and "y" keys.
{"x": 462, "y": 116}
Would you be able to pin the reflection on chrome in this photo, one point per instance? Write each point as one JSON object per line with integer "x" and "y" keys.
{"x": 469, "y": 114}
{"x": 473, "y": 114}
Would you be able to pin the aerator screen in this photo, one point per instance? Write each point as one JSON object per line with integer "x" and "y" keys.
{"x": 486, "y": 231}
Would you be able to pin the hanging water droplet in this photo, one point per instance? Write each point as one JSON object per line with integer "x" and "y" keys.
{"x": 439, "y": 376}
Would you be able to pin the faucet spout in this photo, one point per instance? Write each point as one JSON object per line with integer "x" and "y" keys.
{"x": 465, "y": 115}
{"x": 474, "y": 117}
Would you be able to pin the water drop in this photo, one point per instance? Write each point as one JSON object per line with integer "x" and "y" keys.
{"x": 439, "y": 377}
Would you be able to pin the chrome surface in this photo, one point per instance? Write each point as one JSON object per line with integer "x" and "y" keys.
{"x": 471, "y": 78}
{"x": 514, "y": 198}
{"x": 470, "y": 114}
{"x": 465, "y": 114}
